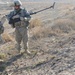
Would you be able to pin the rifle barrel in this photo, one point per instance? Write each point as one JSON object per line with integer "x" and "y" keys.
{"x": 43, "y": 9}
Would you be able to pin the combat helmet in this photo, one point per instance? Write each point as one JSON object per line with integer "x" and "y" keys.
{"x": 17, "y": 3}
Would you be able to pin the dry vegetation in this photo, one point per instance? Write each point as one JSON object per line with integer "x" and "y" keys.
{"x": 7, "y": 37}
{"x": 2, "y": 55}
{"x": 35, "y": 22}
{"x": 64, "y": 25}
{"x": 51, "y": 51}
{"x": 39, "y": 31}
{"x": 61, "y": 26}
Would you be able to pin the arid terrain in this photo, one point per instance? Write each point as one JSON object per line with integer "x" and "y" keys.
{"x": 51, "y": 42}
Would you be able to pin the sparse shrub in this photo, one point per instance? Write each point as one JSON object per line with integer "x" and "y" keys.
{"x": 40, "y": 32}
{"x": 7, "y": 37}
{"x": 60, "y": 27}
{"x": 64, "y": 25}
{"x": 35, "y": 22}
{"x": 2, "y": 56}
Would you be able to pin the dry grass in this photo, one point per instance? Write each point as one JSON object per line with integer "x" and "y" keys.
{"x": 35, "y": 22}
{"x": 7, "y": 37}
{"x": 65, "y": 6}
{"x": 2, "y": 56}
{"x": 64, "y": 25}
{"x": 38, "y": 30}
{"x": 41, "y": 32}
{"x": 60, "y": 27}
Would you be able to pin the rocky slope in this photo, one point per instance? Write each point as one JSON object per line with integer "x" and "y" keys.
{"x": 52, "y": 44}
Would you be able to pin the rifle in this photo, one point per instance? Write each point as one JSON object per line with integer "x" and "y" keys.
{"x": 32, "y": 13}
{"x": 3, "y": 19}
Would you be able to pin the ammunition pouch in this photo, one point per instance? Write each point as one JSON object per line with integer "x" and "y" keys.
{"x": 13, "y": 21}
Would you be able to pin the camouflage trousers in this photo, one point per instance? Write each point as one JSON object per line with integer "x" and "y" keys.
{"x": 21, "y": 36}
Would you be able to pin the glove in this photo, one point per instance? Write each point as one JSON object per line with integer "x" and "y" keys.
{"x": 24, "y": 18}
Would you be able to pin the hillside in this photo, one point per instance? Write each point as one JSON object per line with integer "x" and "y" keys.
{"x": 51, "y": 42}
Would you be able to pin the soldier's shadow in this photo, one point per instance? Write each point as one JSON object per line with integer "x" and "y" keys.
{"x": 9, "y": 62}
{"x": 16, "y": 57}
{"x": 13, "y": 59}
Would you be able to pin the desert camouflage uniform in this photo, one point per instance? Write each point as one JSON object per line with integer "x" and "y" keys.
{"x": 21, "y": 27}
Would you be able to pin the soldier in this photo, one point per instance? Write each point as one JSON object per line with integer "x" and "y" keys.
{"x": 19, "y": 19}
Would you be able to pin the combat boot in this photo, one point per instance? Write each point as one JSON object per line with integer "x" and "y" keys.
{"x": 18, "y": 47}
{"x": 27, "y": 51}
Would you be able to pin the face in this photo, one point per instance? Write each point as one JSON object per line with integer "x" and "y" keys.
{"x": 16, "y": 7}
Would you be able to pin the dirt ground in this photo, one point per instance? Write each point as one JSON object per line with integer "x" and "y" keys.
{"x": 51, "y": 42}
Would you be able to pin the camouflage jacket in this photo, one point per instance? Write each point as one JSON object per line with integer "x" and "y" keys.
{"x": 21, "y": 15}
